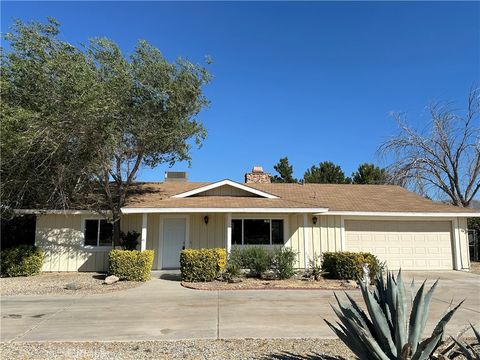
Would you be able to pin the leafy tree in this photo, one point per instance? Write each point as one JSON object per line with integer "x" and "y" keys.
{"x": 444, "y": 159}
{"x": 474, "y": 224}
{"x": 326, "y": 173}
{"x": 369, "y": 174}
{"x": 81, "y": 123}
{"x": 53, "y": 119}
{"x": 285, "y": 172}
{"x": 158, "y": 103}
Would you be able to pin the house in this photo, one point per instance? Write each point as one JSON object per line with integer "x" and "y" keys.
{"x": 400, "y": 227}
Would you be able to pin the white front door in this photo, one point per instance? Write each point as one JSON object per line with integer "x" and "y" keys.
{"x": 174, "y": 237}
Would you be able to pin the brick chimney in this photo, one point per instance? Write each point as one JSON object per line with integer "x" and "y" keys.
{"x": 257, "y": 176}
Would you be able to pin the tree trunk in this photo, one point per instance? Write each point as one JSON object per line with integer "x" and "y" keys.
{"x": 116, "y": 230}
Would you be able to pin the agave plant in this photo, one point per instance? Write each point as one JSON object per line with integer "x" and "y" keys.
{"x": 469, "y": 351}
{"x": 386, "y": 333}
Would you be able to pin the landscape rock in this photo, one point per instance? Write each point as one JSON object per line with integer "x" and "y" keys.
{"x": 268, "y": 275}
{"x": 112, "y": 279}
{"x": 72, "y": 286}
{"x": 234, "y": 280}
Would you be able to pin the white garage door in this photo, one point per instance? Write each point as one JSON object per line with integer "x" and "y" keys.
{"x": 411, "y": 245}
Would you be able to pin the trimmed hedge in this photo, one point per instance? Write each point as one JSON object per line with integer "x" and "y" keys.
{"x": 132, "y": 265}
{"x": 201, "y": 265}
{"x": 348, "y": 265}
{"x": 22, "y": 260}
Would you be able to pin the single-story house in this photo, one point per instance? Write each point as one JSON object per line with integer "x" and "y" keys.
{"x": 400, "y": 227}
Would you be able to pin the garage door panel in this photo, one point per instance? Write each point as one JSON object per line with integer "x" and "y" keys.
{"x": 411, "y": 245}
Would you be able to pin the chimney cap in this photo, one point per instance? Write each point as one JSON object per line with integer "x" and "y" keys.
{"x": 257, "y": 169}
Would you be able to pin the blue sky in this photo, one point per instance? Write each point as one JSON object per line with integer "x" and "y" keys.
{"x": 313, "y": 81}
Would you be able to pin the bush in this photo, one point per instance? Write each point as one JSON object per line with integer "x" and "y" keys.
{"x": 348, "y": 265}
{"x": 254, "y": 258}
{"x": 22, "y": 260}
{"x": 221, "y": 259}
{"x": 315, "y": 268}
{"x": 132, "y": 265}
{"x": 200, "y": 265}
{"x": 129, "y": 240}
{"x": 282, "y": 262}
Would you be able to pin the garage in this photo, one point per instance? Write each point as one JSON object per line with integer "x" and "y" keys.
{"x": 410, "y": 245}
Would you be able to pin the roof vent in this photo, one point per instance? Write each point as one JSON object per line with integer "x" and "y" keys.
{"x": 178, "y": 176}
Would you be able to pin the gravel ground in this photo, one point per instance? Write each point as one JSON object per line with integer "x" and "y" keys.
{"x": 475, "y": 267}
{"x": 258, "y": 284}
{"x": 272, "y": 349}
{"x": 55, "y": 283}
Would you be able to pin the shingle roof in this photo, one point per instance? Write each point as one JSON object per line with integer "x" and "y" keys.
{"x": 358, "y": 198}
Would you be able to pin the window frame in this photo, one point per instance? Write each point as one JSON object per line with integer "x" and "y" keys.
{"x": 97, "y": 247}
{"x": 261, "y": 217}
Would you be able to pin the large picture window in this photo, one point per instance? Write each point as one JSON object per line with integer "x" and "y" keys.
{"x": 98, "y": 232}
{"x": 257, "y": 232}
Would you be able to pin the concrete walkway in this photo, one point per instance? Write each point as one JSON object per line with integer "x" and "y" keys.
{"x": 163, "y": 310}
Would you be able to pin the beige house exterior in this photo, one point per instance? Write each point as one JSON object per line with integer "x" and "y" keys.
{"x": 401, "y": 228}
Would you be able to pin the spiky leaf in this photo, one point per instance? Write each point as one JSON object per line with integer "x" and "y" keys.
{"x": 415, "y": 322}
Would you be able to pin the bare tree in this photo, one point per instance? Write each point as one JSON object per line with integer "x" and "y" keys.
{"x": 444, "y": 159}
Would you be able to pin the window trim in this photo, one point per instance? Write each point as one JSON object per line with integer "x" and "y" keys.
{"x": 93, "y": 247}
{"x": 269, "y": 218}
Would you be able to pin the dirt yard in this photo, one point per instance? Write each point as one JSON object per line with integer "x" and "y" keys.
{"x": 475, "y": 267}
{"x": 258, "y": 284}
{"x": 56, "y": 283}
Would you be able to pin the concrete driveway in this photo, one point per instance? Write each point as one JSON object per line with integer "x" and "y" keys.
{"x": 163, "y": 310}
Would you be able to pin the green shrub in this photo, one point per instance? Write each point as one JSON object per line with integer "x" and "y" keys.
{"x": 232, "y": 270}
{"x": 348, "y": 265}
{"x": 22, "y": 260}
{"x": 132, "y": 265}
{"x": 129, "y": 240}
{"x": 200, "y": 265}
{"x": 283, "y": 260}
{"x": 235, "y": 258}
{"x": 256, "y": 259}
{"x": 315, "y": 268}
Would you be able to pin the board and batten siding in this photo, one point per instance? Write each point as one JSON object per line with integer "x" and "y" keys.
{"x": 323, "y": 236}
{"x": 61, "y": 237}
{"x": 200, "y": 235}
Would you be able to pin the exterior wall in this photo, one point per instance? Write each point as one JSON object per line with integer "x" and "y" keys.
{"x": 131, "y": 222}
{"x": 323, "y": 236}
{"x": 211, "y": 235}
{"x": 226, "y": 190}
{"x": 61, "y": 237}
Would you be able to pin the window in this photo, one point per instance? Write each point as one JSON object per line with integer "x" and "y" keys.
{"x": 257, "y": 232}
{"x": 98, "y": 233}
